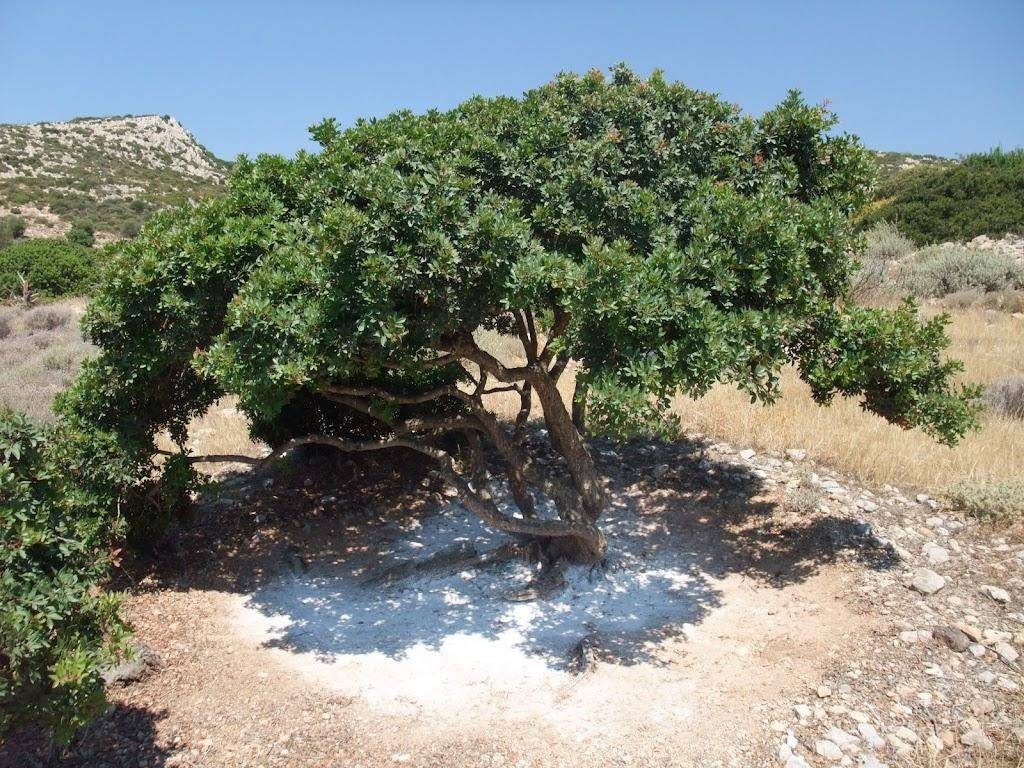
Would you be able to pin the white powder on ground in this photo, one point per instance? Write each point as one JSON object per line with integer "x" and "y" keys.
{"x": 446, "y": 638}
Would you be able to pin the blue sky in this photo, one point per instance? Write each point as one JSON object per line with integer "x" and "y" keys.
{"x": 938, "y": 77}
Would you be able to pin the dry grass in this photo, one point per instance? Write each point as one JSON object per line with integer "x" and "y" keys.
{"x": 41, "y": 350}
{"x": 991, "y": 344}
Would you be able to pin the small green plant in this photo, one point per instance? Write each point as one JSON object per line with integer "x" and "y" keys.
{"x": 884, "y": 242}
{"x": 50, "y": 266}
{"x": 11, "y": 228}
{"x": 82, "y": 234}
{"x": 998, "y": 502}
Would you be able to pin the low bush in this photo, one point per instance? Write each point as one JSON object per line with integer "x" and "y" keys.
{"x": 53, "y": 267}
{"x": 11, "y": 228}
{"x": 981, "y": 195}
{"x": 1005, "y": 397}
{"x": 82, "y": 234}
{"x": 70, "y": 498}
{"x": 47, "y": 318}
{"x": 884, "y": 242}
{"x": 940, "y": 270}
{"x": 998, "y": 502}
{"x": 58, "y": 624}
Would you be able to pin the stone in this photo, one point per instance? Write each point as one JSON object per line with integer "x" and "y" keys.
{"x": 803, "y": 711}
{"x": 905, "y": 734}
{"x": 934, "y": 743}
{"x": 936, "y": 555}
{"x": 976, "y": 737}
{"x": 828, "y": 749}
{"x": 841, "y": 738}
{"x": 1006, "y": 652}
{"x": 970, "y": 630}
{"x": 870, "y": 735}
{"x": 977, "y": 650}
{"x": 982, "y": 707}
{"x": 953, "y": 637}
{"x": 796, "y": 454}
{"x": 131, "y": 670}
{"x": 795, "y": 761}
{"x": 747, "y": 454}
{"x": 987, "y": 677}
{"x": 824, "y": 691}
{"x": 867, "y": 505}
{"x": 996, "y": 593}
{"x": 927, "y": 581}
{"x": 659, "y": 471}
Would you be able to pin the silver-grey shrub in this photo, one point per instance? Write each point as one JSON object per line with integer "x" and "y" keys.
{"x": 1006, "y": 397}
{"x": 939, "y": 270}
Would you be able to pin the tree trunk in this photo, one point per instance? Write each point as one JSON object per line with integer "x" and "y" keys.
{"x": 579, "y": 407}
{"x": 568, "y": 442}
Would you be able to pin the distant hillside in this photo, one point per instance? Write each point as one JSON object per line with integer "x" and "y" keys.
{"x": 981, "y": 194}
{"x": 110, "y": 173}
{"x": 891, "y": 163}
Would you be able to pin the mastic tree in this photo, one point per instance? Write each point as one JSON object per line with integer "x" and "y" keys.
{"x": 655, "y": 235}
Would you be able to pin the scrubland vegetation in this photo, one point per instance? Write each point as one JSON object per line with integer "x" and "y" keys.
{"x": 982, "y": 194}
{"x": 432, "y": 282}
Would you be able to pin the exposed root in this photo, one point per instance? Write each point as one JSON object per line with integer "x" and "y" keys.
{"x": 550, "y": 581}
{"x": 454, "y": 558}
{"x": 583, "y": 656}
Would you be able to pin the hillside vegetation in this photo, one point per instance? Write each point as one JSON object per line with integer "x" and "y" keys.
{"x": 981, "y": 195}
{"x": 106, "y": 173}
{"x": 891, "y": 163}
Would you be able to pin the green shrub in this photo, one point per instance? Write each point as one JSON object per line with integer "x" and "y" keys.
{"x": 981, "y": 195}
{"x": 82, "y": 234}
{"x": 999, "y": 502}
{"x": 939, "y": 270}
{"x": 53, "y": 267}
{"x": 58, "y": 625}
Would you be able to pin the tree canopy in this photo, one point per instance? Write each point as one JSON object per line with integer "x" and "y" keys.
{"x": 652, "y": 233}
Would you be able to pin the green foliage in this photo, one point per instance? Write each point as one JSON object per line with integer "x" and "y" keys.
{"x": 82, "y": 234}
{"x": 939, "y": 270}
{"x": 58, "y": 624}
{"x": 895, "y": 362}
{"x": 682, "y": 242}
{"x": 981, "y": 195}
{"x": 998, "y": 502}
{"x": 53, "y": 267}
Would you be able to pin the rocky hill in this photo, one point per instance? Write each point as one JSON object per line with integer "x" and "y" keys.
{"x": 109, "y": 172}
{"x": 891, "y": 163}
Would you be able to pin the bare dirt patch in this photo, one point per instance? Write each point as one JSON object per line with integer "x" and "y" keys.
{"x": 275, "y": 652}
{"x": 730, "y": 626}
